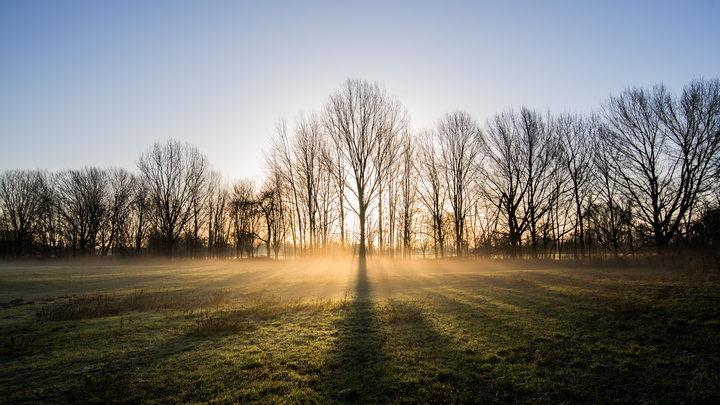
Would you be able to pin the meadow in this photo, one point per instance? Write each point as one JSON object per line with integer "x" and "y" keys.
{"x": 327, "y": 331}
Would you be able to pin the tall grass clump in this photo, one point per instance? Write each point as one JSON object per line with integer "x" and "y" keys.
{"x": 104, "y": 305}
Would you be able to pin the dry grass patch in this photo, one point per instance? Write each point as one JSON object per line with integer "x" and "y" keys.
{"x": 103, "y": 305}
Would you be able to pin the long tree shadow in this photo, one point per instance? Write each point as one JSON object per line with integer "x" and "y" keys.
{"x": 358, "y": 368}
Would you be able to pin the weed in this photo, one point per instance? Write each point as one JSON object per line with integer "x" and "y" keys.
{"x": 17, "y": 343}
{"x": 402, "y": 312}
{"x": 217, "y": 322}
{"x": 83, "y": 307}
{"x": 104, "y": 305}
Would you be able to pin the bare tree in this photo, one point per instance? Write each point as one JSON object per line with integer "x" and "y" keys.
{"x": 20, "y": 201}
{"x": 245, "y": 214}
{"x": 612, "y": 220}
{"x": 271, "y": 205}
{"x": 217, "y": 214}
{"x": 116, "y": 232}
{"x": 408, "y": 192}
{"x": 282, "y": 158}
{"x": 309, "y": 150}
{"x": 433, "y": 195}
{"x": 140, "y": 213}
{"x": 460, "y": 143}
{"x": 664, "y": 150}
{"x": 339, "y": 172}
{"x": 540, "y": 153}
{"x": 385, "y": 162}
{"x": 327, "y": 194}
{"x": 198, "y": 177}
{"x": 172, "y": 173}
{"x": 484, "y": 220}
{"x": 82, "y": 201}
{"x": 505, "y": 176}
{"x": 363, "y": 119}
{"x": 575, "y": 134}
{"x": 692, "y": 122}
{"x": 49, "y": 227}
{"x": 277, "y": 203}
{"x": 558, "y": 220}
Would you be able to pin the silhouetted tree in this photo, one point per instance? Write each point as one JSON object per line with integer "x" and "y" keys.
{"x": 505, "y": 175}
{"x": 82, "y": 202}
{"x": 278, "y": 210}
{"x": 327, "y": 194}
{"x": 433, "y": 195}
{"x": 20, "y": 201}
{"x": 140, "y": 213}
{"x": 172, "y": 173}
{"x": 337, "y": 167}
{"x": 308, "y": 152}
{"x": 460, "y": 143}
{"x": 49, "y": 225}
{"x": 283, "y": 160}
{"x": 271, "y": 206}
{"x": 363, "y": 119}
{"x": 408, "y": 192}
{"x": 705, "y": 231}
{"x": 385, "y": 162}
{"x": 692, "y": 122}
{"x": 198, "y": 178}
{"x": 575, "y": 135}
{"x": 245, "y": 213}
{"x": 217, "y": 213}
{"x": 115, "y": 234}
{"x": 540, "y": 152}
{"x": 644, "y": 172}
{"x": 609, "y": 217}
{"x": 664, "y": 149}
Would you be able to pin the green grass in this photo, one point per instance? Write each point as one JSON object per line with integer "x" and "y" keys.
{"x": 323, "y": 332}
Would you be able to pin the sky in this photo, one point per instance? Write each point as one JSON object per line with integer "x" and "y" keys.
{"x": 95, "y": 83}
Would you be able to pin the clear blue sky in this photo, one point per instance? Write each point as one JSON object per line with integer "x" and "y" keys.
{"x": 97, "y": 82}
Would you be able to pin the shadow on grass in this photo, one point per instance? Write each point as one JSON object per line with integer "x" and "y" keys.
{"x": 358, "y": 370}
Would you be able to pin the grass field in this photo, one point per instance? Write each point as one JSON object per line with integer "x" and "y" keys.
{"x": 326, "y": 332}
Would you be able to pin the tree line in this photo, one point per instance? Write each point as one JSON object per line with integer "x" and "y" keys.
{"x": 640, "y": 175}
